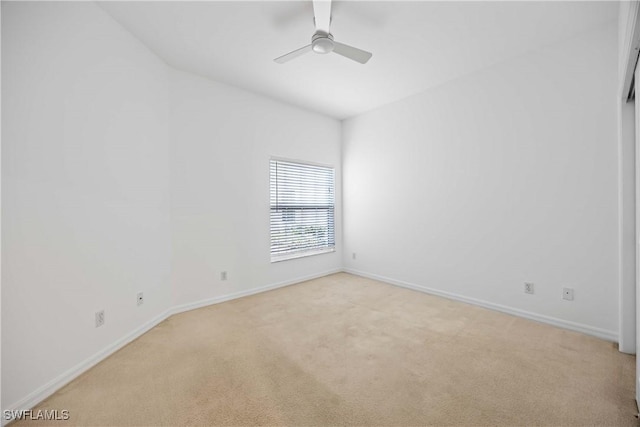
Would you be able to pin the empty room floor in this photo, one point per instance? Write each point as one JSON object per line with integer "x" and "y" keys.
{"x": 345, "y": 350}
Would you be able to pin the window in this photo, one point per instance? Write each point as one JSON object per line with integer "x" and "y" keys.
{"x": 302, "y": 210}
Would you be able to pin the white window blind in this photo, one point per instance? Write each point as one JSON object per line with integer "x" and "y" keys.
{"x": 302, "y": 210}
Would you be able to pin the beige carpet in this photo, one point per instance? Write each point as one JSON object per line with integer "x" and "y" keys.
{"x": 348, "y": 350}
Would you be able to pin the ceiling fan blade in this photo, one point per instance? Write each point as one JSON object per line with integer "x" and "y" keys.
{"x": 322, "y": 14}
{"x": 291, "y": 55}
{"x": 351, "y": 52}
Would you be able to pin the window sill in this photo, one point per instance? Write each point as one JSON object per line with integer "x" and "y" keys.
{"x": 304, "y": 254}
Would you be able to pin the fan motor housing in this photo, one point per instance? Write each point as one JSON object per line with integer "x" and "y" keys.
{"x": 322, "y": 42}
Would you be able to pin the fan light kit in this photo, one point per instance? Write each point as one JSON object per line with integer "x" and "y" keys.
{"x": 322, "y": 41}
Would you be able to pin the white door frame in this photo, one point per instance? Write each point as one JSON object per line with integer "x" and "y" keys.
{"x": 629, "y": 184}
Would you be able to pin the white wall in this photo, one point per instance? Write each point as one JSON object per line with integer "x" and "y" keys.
{"x": 120, "y": 175}
{"x": 222, "y": 140}
{"x": 116, "y": 170}
{"x": 85, "y": 183}
{"x": 504, "y": 176}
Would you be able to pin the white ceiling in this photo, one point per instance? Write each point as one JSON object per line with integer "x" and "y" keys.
{"x": 416, "y": 45}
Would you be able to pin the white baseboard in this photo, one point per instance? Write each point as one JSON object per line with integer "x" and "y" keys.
{"x": 216, "y": 300}
{"x": 37, "y": 396}
{"x": 40, "y": 394}
{"x": 565, "y": 324}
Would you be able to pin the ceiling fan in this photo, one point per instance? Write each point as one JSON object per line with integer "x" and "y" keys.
{"x": 322, "y": 40}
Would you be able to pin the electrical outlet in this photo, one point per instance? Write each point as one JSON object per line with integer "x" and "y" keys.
{"x": 140, "y": 298}
{"x": 567, "y": 293}
{"x": 353, "y": 255}
{"x": 223, "y": 275}
{"x": 99, "y": 318}
{"x": 528, "y": 287}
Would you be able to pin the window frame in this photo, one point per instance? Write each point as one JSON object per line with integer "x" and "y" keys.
{"x": 309, "y": 252}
